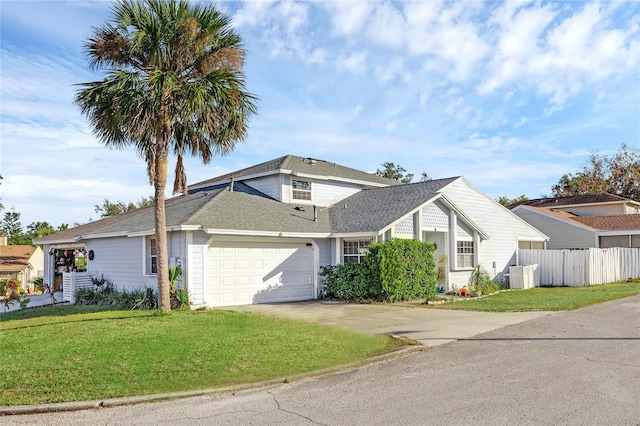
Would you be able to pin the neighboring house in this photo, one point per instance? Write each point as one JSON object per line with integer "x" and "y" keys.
{"x": 261, "y": 234}
{"x": 584, "y": 221}
{"x": 20, "y": 262}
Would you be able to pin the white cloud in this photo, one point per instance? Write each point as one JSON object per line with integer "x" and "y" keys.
{"x": 348, "y": 17}
{"x": 387, "y": 26}
{"x": 355, "y": 63}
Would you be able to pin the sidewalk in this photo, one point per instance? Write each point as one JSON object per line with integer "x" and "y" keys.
{"x": 35, "y": 300}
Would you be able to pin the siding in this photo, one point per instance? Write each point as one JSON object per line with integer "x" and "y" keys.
{"x": 404, "y": 228}
{"x": 197, "y": 271}
{"x": 562, "y": 235}
{"x": 325, "y": 193}
{"x": 435, "y": 215}
{"x": 269, "y": 185}
{"x": 121, "y": 261}
{"x": 503, "y": 227}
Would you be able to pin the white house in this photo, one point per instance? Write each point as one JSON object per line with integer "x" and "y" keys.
{"x": 261, "y": 234}
{"x": 584, "y": 221}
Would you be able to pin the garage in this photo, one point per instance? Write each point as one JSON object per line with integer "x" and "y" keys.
{"x": 242, "y": 273}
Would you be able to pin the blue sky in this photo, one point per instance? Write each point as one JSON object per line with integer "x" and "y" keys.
{"x": 510, "y": 95}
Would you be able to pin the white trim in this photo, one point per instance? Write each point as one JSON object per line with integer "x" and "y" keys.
{"x": 266, "y": 233}
{"x": 186, "y": 263}
{"x": 355, "y": 235}
{"x": 316, "y": 267}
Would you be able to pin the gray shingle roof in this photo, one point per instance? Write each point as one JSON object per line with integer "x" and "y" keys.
{"x": 371, "y": 210}
{"x": 246, "y": 212}
{"x": 301, "y": 165}
{"x": 246, "y": 209}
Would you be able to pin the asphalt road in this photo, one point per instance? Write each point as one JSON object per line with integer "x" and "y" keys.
{"x": 572, "y": 368}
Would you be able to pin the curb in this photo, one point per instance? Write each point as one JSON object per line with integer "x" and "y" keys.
{"x": 131, "y": 400}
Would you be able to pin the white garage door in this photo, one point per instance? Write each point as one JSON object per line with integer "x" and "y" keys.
{"x": 257, "y": 272}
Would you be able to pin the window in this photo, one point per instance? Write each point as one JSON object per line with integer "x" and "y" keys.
{"x": 354, "y": 251}
{"x": 465, "y": 254}
{"x": 152, "y": 267}
{"x": 301, "y": 190}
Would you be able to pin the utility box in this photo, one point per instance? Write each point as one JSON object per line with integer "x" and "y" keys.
{"x": 522, "y": 277}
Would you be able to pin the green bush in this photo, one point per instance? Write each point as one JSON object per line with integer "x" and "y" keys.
{"x": 405, "y": 269}
{"x": 393, "y": 271}
{"x": 351, "y": 282}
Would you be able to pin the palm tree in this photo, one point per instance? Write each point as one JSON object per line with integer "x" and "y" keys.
{"x": 173, "y": 84}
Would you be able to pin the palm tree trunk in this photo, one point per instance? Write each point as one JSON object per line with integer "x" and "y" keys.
{"x": 160, "y": 182}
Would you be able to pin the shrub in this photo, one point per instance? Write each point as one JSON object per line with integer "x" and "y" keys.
{"x": 183, "y": 296}
{"x": 480, "y": 280}
{"x": 405, "y": 269}
{"x": 393, "y": 271}
{"x": 351, "y": 281}
{"x": 105, "y": 293}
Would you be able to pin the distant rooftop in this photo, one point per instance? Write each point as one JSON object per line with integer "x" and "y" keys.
{"x": 573, "y": 200}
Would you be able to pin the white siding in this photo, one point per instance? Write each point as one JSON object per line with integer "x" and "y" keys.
{"x": 325, "y": 193}
{"x": 502, "y": 226}
{"x": 269, "y": 185}
{"x": 404, "y": 228}
{"x": 121, "y": 261}
{"x": 435, "y": 215}
{"x": 463, "y": 231}
{"x": 562, "y": 235}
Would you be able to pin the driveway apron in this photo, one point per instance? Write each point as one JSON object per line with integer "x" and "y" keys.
{"x": 430, "y": 327}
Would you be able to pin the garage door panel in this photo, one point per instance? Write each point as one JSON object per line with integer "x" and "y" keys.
{"x": 244, "y": 273}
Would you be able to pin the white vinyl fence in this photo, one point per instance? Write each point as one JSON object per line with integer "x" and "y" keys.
{"x": 72, "y": 281}
{"x": 579, "y": 268}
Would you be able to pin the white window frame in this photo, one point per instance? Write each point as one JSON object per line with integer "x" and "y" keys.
{"x": 301, "y": 191}
{"x": 354, "y": 250}
{"x": 465, "y": 254}
{"x": 151, "y": 258}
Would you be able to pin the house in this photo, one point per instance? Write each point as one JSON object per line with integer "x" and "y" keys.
{"x": 20, "y": 262}
{"x": 584, "y": 221}
{"x": 261, "y": 234}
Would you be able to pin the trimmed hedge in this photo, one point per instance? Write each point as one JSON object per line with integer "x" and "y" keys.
{"x": 394, "y": 270}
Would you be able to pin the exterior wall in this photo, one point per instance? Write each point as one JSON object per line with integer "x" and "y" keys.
{"x": 37, "y": 262}
{"x": 122, "y": 260}
{"x": 404, "y": 228}
{"x": 269, "y": 185}
{"x": 623, "y": 240}
{"x": 562, "y": 235}
{"x": 435, "y": 216}
{"x": 596, "y": 210}
{"x": 323, "y": 193}
{"x": 502, "y": 226}
{"x": 196, "y": 266}
{"x": 631, "y": 209}
{"x": 326, "y": 193}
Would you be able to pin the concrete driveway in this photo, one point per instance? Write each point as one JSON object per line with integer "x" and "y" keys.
{"x": 430, "y": 327}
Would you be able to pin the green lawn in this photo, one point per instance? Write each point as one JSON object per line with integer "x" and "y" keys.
{"x": 72, "y": 353}
{"x": 546, "y": 298}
